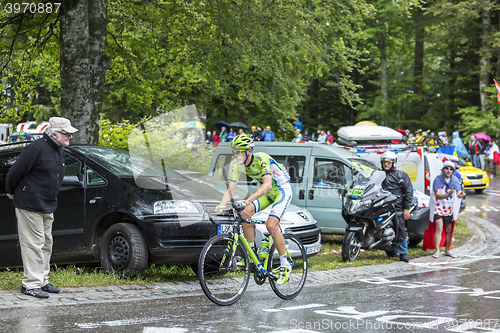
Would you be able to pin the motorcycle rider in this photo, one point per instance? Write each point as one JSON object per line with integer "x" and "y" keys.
{"x": 398, "y": 183}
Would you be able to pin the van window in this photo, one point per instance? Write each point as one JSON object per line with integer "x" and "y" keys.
{"x": 294, "y": 165}
{"x": 410, "y": 168}
{"x": 329, "y": 173}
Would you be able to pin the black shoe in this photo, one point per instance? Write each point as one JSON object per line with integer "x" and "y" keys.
{"x": 35, "y": 292}
{"x": 50, "y": 289}
{"x": 404, "y": 257}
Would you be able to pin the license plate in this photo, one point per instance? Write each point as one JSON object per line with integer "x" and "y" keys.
{"x": 476, "y": 182}
{"x": 313, "y": 248}
{"x": 355, "y": 192}
{"x": 224, "y": 229}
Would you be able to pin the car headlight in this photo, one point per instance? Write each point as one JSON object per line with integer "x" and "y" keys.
{"x": 174, "y": 207}
{"x": 358, "y": 205}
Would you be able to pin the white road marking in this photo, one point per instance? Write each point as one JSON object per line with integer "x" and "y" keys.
{"x": 295, "y": 331}
{"x": 493, "y": 271}
{"x": 114, "y": 323}
{"x": 292, "y": 308}
{"x": 164, "y": 330}
{"x": 483, "y": 257}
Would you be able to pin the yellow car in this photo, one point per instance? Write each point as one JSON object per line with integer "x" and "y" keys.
{"x": 473, "y": 178}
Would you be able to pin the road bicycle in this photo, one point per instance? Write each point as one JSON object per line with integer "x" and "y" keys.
{"x": 224, "y": 267}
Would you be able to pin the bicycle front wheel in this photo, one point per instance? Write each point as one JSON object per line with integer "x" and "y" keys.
{"x": 223, "y": 271}
{"x": 298, "y": 261}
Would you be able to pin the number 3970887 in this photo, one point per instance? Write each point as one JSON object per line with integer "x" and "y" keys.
{"x": 31, "y": 7}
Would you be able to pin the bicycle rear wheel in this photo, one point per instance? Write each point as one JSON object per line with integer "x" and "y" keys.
{"x": 223, "y": 280}
{"x": 298, "y": 261}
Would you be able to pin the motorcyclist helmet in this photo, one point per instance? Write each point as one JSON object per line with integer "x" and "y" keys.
{"x": 242, "y": 142}
{"x": 389, "y": 156}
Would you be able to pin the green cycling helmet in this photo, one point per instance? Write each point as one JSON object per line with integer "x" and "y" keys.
{"x": 242, "y": 142}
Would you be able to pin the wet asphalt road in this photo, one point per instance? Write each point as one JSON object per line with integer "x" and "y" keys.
{"x": 442, "y": 295}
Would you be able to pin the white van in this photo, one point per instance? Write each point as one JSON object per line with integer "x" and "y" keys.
{"x": 371, "y": 141}
{"x": 32, "y": 128}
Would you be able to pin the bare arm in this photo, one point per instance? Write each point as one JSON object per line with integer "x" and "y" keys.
{"x": 228, "y": 194}
{"x": 267, "y": 184}
{"x": 440, "y": 196}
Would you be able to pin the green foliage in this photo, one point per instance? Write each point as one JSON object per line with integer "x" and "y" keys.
{"x": 115, "y": 134}
{"x": 165, "y": 142}
{"x": 473, "y": 120}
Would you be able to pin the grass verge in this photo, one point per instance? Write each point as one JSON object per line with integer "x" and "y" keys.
{"x": 329, "y": 259}
{"x": 72, "y": 276}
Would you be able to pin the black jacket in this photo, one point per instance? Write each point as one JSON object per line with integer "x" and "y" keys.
{"x": 398, "y": 183}
{"x": 36, "y": 176}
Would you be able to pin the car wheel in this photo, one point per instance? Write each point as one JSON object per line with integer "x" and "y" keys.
{"x": 479, "y": 191}
{"x": 124, "y": 250}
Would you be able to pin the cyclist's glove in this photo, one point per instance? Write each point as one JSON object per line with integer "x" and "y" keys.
{"x": 219, "y": 208}
{"x": 239, "y": 207}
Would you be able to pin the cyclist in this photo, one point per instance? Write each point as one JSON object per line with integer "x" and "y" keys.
{"x": 274, "y": 189}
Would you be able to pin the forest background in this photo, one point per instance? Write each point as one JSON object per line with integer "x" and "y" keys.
{"x": 405, "y": 64}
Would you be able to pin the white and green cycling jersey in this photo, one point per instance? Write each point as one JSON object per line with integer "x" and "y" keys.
{"x": 260, "y": 165}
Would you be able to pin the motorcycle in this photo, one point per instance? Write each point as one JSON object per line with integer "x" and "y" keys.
{"x": 370, "y": 214}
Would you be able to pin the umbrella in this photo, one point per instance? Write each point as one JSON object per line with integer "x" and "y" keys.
{"x": 238, "y": 124}
{"x": 482, "y": 136}
{"x": 221, "y": 124}
{"x": 194, "y": 124}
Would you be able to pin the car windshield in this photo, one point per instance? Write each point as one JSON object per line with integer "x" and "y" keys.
{"x": 219, "y": 185}
{"x": 463, "y": 162}
{"x": 123, "y": 164}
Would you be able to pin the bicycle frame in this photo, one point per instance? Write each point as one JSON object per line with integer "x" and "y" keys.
{"x": 241, "y": 238}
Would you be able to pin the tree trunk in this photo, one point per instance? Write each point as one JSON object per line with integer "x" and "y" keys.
{"x": 83, "y": 65}
{"x": 484, "y": 71}
{"x": 418, "y": 70}
{"x": 497, "y": 73}
{"x": 383, "y": 64}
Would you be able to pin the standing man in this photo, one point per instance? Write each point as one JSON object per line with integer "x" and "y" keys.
{"x": 457, "y": 174}
{"x": 258, "y": 136}
{"x": 494, "y": 158}
{"x": 474, "y": 149}
{"x": 268, "y": 135}
{"x": 444, "y": 207}
{"x": 33, "y": 183}
{"x": 398, "y": 183}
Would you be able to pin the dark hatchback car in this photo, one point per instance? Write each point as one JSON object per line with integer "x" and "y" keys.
{"x": 117, "y": 210}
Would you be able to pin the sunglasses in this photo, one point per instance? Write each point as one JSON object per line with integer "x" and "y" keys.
{"x": 448, "y": 168}
{"x": 69, "y": 135}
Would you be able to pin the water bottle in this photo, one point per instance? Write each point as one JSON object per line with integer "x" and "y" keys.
{"x": 264, "y": 248}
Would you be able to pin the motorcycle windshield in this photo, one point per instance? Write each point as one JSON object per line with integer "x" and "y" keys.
{"x": 365, "y": 180}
